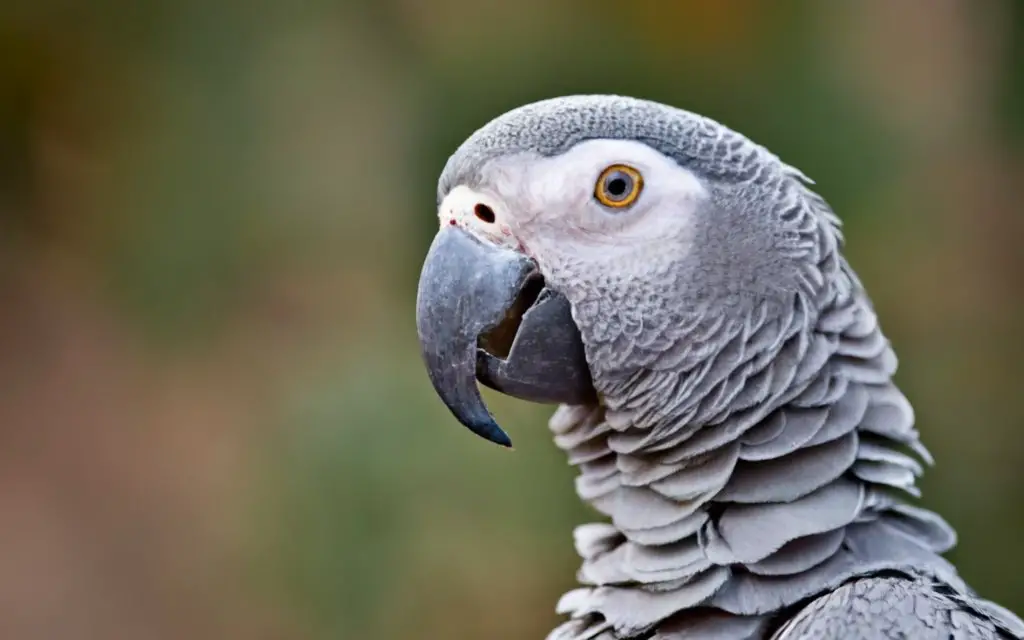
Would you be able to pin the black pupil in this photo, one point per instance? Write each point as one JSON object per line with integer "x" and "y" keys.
{"x": 618, "y": 185}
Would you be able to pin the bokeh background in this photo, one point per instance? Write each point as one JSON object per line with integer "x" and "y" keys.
{"x": 214, "y": 422}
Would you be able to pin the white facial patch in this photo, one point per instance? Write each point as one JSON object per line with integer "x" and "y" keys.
{"x": 555, "y": 210}
{"x": 579, "y": 168}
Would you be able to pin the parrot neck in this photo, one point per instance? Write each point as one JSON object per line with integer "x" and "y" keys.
{"x": 745, "y": 512}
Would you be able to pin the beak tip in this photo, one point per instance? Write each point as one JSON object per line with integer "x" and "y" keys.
{"x": 490, "y": 430}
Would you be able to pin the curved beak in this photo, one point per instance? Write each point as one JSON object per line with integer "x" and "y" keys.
{"x": 484, "y": 313}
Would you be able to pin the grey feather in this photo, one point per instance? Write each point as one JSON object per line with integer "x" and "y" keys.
{"x": 633, "y": 611}
{"x": 843, "y": 416}
{"x": 800, "y": 426}
{"x": 583, "y": 629}
{"x": 588, "y": 451}
{"x": 707, "y": 475}
{"x": 790, "y": 477}
{"x": 573, "y": 438}
{"x": 575, "y": 417}
{"x": 886, "y": 474}
{"x": 707, "y": 624}
{"x": 643, "y": 507}
{"x": 800, "y": 555}
{"x": 667, "y": 534}
{"x": 750, "y": 533}
{"x": 641, "y": 471}
{"x": 592, "y": 485}
{"x": 921, "y": 525}
{"x": 596, "y": 538}
{"x": 877, "y": 452}
{"x": 765, "y": 431}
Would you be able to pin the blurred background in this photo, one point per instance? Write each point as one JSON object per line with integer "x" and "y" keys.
{"x": 214, "y": 421}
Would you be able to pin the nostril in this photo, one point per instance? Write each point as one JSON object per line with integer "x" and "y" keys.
{"x": 484, "y": 212}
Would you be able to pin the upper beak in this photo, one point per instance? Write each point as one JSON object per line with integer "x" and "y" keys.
{"x": 484, "y": 312}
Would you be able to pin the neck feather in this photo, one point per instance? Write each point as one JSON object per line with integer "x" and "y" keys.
{"x": 750, "y": 483}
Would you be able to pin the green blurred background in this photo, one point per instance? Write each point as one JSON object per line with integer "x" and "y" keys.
{"x": 214, "y": 422}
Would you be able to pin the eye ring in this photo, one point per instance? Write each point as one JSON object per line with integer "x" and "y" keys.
{"x": 618, "y": 186}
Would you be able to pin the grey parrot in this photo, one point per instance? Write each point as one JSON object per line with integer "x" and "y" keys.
{"x": 724, "y": 387}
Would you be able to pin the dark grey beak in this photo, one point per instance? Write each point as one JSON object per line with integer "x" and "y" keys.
{"x": 484, "y": 313}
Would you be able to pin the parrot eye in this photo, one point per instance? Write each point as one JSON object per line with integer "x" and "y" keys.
{"x": 618, "y": 186}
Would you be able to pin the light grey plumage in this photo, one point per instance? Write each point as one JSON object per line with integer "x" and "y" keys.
{"x": 749, "y": 447}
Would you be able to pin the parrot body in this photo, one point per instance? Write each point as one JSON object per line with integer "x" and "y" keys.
{"x": 731, "y": 408}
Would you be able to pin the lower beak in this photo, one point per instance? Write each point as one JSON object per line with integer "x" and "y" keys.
{"x": 484, "y": 313}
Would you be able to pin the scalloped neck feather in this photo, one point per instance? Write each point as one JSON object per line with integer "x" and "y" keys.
{"x": 755, "y": 513}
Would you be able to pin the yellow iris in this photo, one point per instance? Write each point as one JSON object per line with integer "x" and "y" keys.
{"x": 618, "y": 186}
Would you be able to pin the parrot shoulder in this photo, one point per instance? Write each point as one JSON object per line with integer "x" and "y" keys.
{"x": 896, "y": 606}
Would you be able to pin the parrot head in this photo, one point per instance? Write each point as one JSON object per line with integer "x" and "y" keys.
{"x": 726, "y": 387}
{"x": 603, "y": 248}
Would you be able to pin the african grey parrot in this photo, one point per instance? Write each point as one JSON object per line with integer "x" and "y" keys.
{"x": 726, "y": 391}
